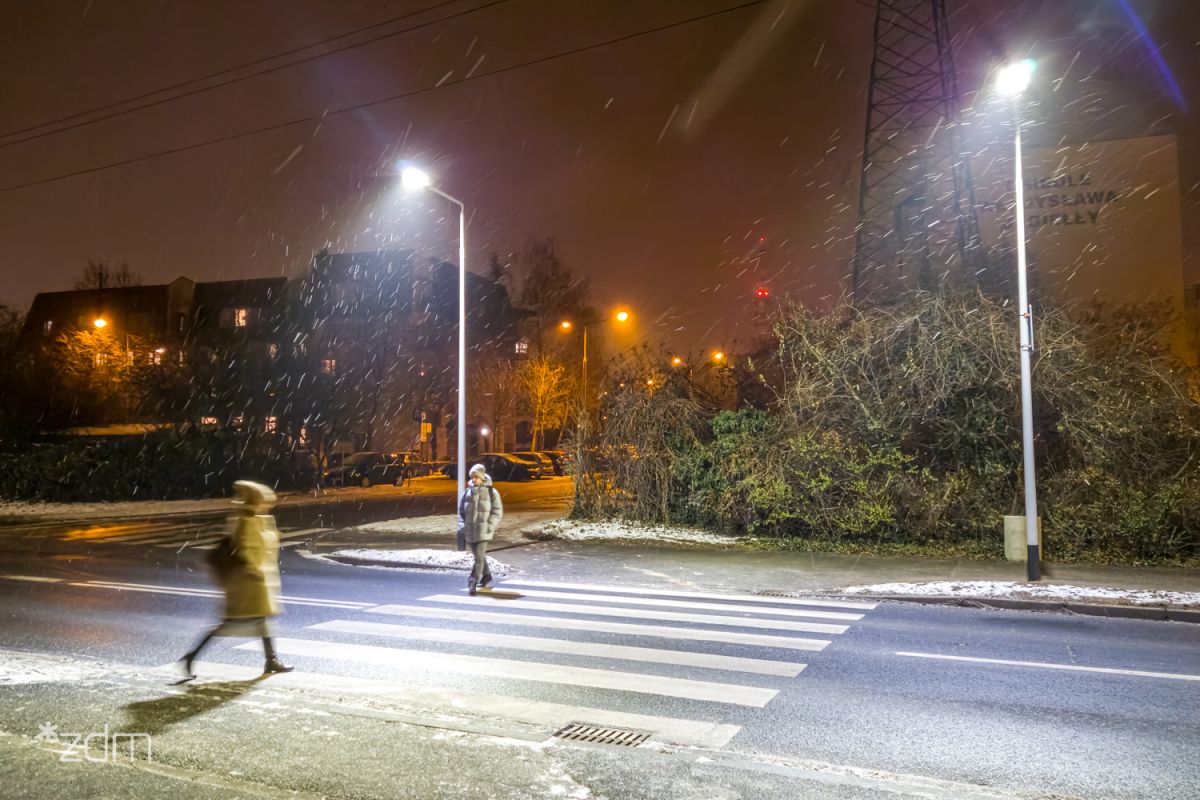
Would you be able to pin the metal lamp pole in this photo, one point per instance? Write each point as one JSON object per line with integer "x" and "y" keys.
{"x": 413, "y": 179}
{"x": 1013, "y": 80}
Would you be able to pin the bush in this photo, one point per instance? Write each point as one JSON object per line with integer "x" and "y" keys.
{"x": 902, "y": 425}
{"x": 166, "y": 465}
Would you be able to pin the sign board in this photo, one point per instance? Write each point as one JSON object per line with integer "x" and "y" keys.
{"x": 1102, "y": 219}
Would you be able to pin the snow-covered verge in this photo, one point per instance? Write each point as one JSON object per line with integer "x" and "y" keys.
{"x": 1028, "y": 591}
{"x": 424, "y": 559}
{"x": 574, "y": 530}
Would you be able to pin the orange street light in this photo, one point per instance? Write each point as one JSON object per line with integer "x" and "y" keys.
{"x": 99, "y": 322}
{"x": 622, "y": 316}
{"x": 676, "y": 361}
{"x": 565, "y": 325}
{"x": 718, "y": 356}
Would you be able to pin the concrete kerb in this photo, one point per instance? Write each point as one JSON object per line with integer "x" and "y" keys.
{"x": 1115, "y": 611}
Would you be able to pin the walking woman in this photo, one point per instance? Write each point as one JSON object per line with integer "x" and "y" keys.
{"x": 248, "y": 570}
{"x": 479, "y": 512}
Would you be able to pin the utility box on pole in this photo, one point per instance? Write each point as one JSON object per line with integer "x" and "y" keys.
{"x": 1015, "y": 546}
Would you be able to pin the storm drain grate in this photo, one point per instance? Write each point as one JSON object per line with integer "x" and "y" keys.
{"x": 597, "y": 734}
{"x": 775, "y": 593}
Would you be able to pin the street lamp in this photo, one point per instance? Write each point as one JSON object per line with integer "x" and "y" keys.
{"x": 1011, "y": 81}
{"x": 100, "y": 322}
{"x": 622, "y": 315}
{"x": 414, "y": 179}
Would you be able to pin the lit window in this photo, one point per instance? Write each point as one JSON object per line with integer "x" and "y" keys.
{"x": 101, "y": 359}
{"x": 182, "y": 358}
{"x": 240, "y": 317}
{"x": 274, "y": 350}
{"x": 239, "y": 421}
{"x": 47, "y": 327}
{"x": 208, "y": 422}
{"x": 304, "y": 436}
{"x": 156, "y": 356}
{"x": 329, "y": 366}
{"x": 271, "y": 424}
{"x": 522, "y": 347}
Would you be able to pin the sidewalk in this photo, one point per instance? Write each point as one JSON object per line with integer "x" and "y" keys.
{"x": 1137, "y": 592}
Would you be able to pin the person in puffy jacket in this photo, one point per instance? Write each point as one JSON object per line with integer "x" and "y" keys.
{"x": 479, "y": 512}
{"x": 249, "y": 575}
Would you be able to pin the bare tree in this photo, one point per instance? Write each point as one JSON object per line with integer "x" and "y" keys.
{"x": 98, "y": 275}
{"x": 547, "y": 393}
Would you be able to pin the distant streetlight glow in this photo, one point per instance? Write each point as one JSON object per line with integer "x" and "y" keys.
{"x": 100, "y": 322}
{"x": 622, "y": 316}
{"x": 676, "y": 361}
{"x": 565, "y": 325}
{"x": 718, "y": 356}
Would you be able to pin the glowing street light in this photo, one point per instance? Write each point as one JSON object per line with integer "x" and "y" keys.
{"x": 1011, "y": 81}
{"x": 676, "y": 361}
{"x": 621, "y": 315}
{"x": 100, "y": 322}
{"x": 718, "y": 356}
{"x": 414, "y": 179}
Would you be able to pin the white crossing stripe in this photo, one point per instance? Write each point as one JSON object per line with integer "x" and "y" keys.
{"x": 599, "y": 626}
{"x": 652, "y": 655}
{"x": 638, "y": 613}
{"x": 1069, "y": 667}
{"x": 551, "y": 716}
{"x": 749, "y": 598}
{"x": 541, "y": 672}
{"x": 673, "y": 603}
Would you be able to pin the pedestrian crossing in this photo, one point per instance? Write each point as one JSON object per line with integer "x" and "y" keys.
{"x": 564, "y": 653}
{"x": 167, "y": 535}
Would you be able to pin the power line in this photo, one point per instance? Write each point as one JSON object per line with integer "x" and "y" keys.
{"x": 268, "y": 70}
{"x": 359, "y": 106}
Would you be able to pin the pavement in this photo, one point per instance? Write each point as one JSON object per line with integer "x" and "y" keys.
{"x": 1159, "y": 593}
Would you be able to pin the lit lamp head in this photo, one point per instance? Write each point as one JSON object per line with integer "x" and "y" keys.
{"x": 718, "y": 356}
{"x": 676, "y": 361}
{"x": 622, "y": 316}
{"x": 1014, "y": 78}
{"x": 484, "y": 431}
{"x": 414, "y": 179}
{"x": 565, "y": 325}
{"x": 100, "y": 322}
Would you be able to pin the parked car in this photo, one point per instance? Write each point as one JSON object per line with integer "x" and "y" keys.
{"x": 369, "y": 468}
{"x": 544, "y": 464}
{"x": 501, "y": 466}
{"x": 558, "y": 458}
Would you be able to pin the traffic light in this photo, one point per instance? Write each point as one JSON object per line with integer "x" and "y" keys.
{"x": 762, "y": 293}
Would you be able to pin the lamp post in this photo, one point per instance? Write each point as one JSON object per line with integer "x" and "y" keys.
{"x": 1011, "y": 81}
{"x": 621, "y": 315}
{"x": 414, "y": 180}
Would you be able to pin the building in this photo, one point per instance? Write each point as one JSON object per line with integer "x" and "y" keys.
{"x": 359, "y": 352}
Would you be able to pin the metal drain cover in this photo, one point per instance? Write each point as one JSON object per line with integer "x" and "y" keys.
{"x": 599, "y": 734}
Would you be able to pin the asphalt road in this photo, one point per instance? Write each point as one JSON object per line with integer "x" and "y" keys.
{"x": 742, "y": 696}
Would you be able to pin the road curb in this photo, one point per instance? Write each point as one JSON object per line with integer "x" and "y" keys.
{"x": 1160, "y": 613}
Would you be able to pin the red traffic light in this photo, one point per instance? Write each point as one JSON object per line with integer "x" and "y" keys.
{"x": 762, "y": 292}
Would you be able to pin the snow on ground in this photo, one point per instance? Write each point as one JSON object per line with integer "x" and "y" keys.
{"x": 424, "y": 559}
{"x": 17, "y": 667}
{"x": 575, "y": 530}
{"x": 1032, "y": 591}
{"x": 437, "y": 523}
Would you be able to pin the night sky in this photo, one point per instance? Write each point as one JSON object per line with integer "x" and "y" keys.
{"x": 657, "y": 163}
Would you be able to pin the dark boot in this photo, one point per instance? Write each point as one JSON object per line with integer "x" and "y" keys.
{"x": 190, "y": 657}
{"x": 485, "y": 580}
{"x": 273, "y": 664}
{"x": 471, "y": 585}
